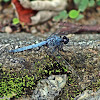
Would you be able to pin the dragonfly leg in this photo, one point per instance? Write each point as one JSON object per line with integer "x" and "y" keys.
{"x": 61, "y": 49}
{"x": 70, "y": 67}
{"x": 51, "y": 50}
{"x": 37, "y": 49}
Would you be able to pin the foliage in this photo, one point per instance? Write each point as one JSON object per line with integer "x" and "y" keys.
{"x": 83, "y": 4}
{"x": 16, "y": 21}
{"x": 98, "y": 2}
{"x": 73, "y": 14}
{"x": 5, "y": 0}
{"x": 80, "y": 16}
{"x": 62, "y": 15}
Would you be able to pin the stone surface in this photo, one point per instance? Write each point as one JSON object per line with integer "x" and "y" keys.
{"x": 82, "y": 53}
{"x": 48, "y": 89}
{"x": 89, "y": 95}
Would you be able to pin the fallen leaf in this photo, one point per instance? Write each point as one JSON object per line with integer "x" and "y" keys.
{"x": 24, "y": 14}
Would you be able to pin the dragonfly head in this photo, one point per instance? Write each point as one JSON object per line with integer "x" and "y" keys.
{"x": 65, "y": 40}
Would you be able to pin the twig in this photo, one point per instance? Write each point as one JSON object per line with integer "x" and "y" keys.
{"x": 1, "y": 27}
{"x": 75, "y": 28}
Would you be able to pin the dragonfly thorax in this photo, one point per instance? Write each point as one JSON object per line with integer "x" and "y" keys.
{"x": 55, "y": 41}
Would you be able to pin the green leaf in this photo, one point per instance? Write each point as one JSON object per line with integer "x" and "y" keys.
{"x": 79, "y": 17}
{"x": 0, "y": 64}
{"x": 6, "y": 0}
{"x": 77, "y": 2}
{"x": 15, "y": 21}
{"x": 73, "y": 14}
{"x": 83, "y": 5}
{"x": 62, "y": 15}
{"x": 56, "y": 18}
{"x": 91, "y": 3}
{"x": 98, "y": 2}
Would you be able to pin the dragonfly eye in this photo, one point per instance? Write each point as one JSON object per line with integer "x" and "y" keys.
{"x": 65, "y": 40}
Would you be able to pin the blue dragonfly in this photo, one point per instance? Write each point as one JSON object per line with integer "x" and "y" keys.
{"x": 53, "y": 41}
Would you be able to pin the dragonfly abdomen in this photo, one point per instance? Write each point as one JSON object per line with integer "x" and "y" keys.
{"x": 29, "y": 47}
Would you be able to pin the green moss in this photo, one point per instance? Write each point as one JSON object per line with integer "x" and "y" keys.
{"x": 16, "y": 83}
{"x": 11, "y": 85}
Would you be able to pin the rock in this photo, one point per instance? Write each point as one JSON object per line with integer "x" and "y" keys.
{"x": 89, "y": 95}
{"x": 8, "y": 29}
{"x": 33, "y": 30}
{"x": 46, "y": 9}
{"x": 83, "y": 57}
{"x": 48, "y": 89}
